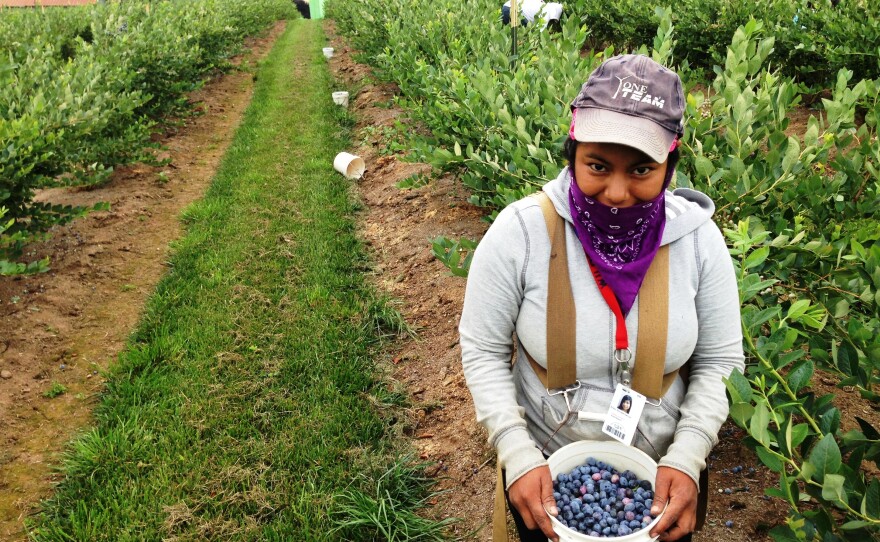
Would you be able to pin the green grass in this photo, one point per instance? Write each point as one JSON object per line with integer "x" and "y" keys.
{"x": 247, "y": 405}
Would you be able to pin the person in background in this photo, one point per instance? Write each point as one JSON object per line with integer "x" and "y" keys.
{"x": 302, "y": 6}
{"x": 622, "y": 151}
{"x": 551, "y": 12}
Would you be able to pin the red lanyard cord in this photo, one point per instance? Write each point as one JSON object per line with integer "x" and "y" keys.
{"x": 621, "y": 339}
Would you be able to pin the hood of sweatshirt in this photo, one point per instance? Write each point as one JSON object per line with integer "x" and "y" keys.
{"x": 686, "y": 209}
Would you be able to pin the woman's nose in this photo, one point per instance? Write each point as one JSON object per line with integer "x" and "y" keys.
{"x": 616, "y": 191}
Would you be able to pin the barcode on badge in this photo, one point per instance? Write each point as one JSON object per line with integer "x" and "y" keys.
{"x": 614, "y": 431}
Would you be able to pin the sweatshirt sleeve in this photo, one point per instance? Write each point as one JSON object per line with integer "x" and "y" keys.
{"x": 718, "y": 351}
{"x": 492, "y": 300}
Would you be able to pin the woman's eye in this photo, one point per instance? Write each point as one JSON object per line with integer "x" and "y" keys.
{"x": 644, "y": 170}
{"x": 596, "y": 167}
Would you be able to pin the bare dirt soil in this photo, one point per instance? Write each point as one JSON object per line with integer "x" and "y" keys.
{"x": 64, "y": 327}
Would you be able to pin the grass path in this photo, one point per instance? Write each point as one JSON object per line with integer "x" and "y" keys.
{"x": 247, "y": 405}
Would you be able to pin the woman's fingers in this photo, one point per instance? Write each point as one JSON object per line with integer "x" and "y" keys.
{"x": 547, "y": 506}
{"x": 532, "y": 495}
{"x": 670, "y": 516}
{"x": 677, "y": 492}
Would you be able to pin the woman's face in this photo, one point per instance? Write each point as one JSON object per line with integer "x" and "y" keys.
{"x": 625, "y": 405}
{"x": 617, "y": 175}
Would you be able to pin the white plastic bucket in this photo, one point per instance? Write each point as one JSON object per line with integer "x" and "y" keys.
{"x": 349, "y": 165}
{"x": 340, "y": 97}
{"x": 619, "y": 456}
{"x": 328, "y": 52}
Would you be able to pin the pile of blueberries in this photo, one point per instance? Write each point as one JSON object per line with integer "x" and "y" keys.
{"x": 597, "y": 500}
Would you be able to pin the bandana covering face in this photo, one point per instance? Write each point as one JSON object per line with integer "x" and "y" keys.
{"x": 620, "y": 242}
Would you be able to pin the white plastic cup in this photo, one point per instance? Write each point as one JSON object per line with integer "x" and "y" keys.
{"x": 618, "y": 455}
{"x": 328, "y": 52}
{"x": 340, "y": 97}
{"x": 349, "y": 165}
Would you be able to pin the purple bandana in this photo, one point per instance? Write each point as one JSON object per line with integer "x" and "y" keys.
{"x": 620, "y": 242}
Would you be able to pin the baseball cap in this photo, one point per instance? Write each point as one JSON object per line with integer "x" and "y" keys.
{"x": 633, "y": 101}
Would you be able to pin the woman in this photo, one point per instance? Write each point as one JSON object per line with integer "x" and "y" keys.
{"x": 625, "y": 403}
{"x": 622, "y": 153}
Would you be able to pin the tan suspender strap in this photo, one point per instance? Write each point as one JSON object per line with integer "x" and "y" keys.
{"x": 561, "y": 320}
{"x": 653, "y": 326}
{"x": 499, "y": 514}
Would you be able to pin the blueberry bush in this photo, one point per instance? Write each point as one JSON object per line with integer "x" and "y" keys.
{"x": 81, "y": 90}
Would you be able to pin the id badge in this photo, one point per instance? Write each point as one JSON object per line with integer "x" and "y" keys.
{"x": 623, "y": 414}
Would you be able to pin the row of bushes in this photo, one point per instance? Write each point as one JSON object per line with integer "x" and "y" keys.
{"x": 797, "y": 203}
{"x": 814, "y": 39}
{"x": 82, "y": 88}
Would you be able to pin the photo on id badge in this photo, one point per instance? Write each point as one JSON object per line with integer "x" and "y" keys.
{"x": 623, "y": 414}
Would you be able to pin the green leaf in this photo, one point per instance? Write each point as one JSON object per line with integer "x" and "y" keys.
{"x": 857, "y": 524}
{"x": 783, "y": 439}
{"x": 871, "y": 502}
{"x": 776, "y": 492}
{"x": 797, "y": 309}
{"x": 807, "y": 471}
{"x": 829, "y": 422}
{"x": 739, "y": 387}
{"x": 756, "y": 258}
{"x": 741, "y": 413}
{"x": 792, "y": 152}
{"x": 826, "y": 458}
{"x": 832, "y": 488}
{"x": 799, "y": 432}
{"x": 769, "y": 459}
{"x": 783, "y": 360}
{"x": 800, "y": 375}
{"x": 783, "y": 533}
{"x": 704, "y": 166}
{"x": 758, "y": 424}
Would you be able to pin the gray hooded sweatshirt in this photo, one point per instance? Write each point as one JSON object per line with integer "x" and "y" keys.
{"x": 505, "y": 301}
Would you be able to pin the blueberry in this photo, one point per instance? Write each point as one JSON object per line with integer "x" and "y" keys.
{"x": 728, "y": 524}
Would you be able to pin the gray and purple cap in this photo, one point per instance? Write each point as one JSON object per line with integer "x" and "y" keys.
{"x": 633, "y": 101}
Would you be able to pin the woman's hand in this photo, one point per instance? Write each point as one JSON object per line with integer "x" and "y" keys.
{"x": 530, "y": 494}
{"x": 680, "y": 491}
